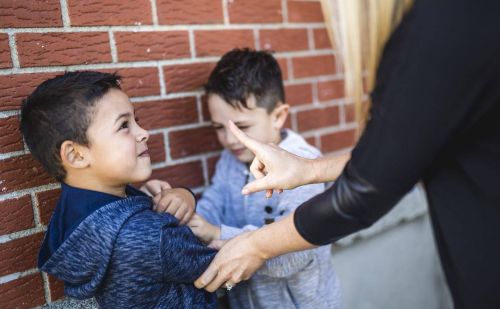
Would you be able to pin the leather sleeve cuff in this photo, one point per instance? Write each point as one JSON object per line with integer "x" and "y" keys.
{"x": 350, "y": 205}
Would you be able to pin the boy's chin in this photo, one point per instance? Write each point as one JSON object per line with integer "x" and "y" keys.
{"x": 246, "y": 157}
{"x": 143, "y": 175}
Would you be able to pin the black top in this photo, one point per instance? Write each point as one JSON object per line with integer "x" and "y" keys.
{"x": 436, "y": 118}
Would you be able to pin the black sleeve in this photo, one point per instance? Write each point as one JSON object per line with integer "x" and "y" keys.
{"x": 433, "y": 83}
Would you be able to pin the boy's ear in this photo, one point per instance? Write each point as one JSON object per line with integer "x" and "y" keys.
{"x": 74, "y": 155}
{"x": 280, "y": 113}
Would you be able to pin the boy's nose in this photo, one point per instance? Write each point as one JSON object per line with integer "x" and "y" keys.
{"x": 142, "y": 135}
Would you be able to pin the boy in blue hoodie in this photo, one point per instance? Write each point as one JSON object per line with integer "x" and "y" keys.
{"x": 104, "y": 240}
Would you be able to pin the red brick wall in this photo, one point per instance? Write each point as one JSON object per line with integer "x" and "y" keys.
{"x": 165, "y": 50}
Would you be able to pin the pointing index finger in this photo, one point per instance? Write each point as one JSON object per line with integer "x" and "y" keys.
{"x": 249, "y": 142}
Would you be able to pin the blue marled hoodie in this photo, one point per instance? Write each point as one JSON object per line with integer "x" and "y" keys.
{"x": 304, "y": 279}
{"x": 125, "y": 255}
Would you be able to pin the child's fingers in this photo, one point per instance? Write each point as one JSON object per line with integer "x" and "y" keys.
{"x": 187, "y": 217}
{"x": 180, "y": 212}
{"x": 165, "y": 185}
{"x": 154, "y": 187}
{"x": 156, "y": 201}
{"x": 170, "y": 204}
{"x": 165, "y": 204}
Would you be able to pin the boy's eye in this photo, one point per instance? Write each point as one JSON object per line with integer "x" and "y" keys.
{"x": 243, "y": 128}
{"x": 124, "y": 125}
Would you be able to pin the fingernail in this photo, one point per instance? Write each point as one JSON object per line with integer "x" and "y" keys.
{"x": 245, "y": 191}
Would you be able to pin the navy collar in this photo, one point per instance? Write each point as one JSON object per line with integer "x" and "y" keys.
{"x": 74, "y": 205}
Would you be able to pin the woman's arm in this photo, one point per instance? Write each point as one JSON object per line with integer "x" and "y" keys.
{"x": 241, "y": 256}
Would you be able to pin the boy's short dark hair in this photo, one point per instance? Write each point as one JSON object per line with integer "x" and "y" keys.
{"x": 243, "y": 72}
{"x": 60, "y": 109}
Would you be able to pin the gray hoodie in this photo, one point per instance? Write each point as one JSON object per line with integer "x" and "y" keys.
{"x": 304, "y": 279}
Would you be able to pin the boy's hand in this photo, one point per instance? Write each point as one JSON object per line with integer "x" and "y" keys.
{"x": 154, "y": 187}
{"x": 178, "y": 202}
{"x": 205, "y": 231}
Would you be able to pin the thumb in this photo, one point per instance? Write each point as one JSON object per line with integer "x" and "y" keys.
{"x": 256, "y": 186}
{"x": 165, "y": 185}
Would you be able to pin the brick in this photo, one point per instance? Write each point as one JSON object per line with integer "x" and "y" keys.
{"x": 338, "y": 140}
{"x": 204, "y": 108}
{"x": 282, "y": 62}
{"x": 17, "y": 215}
{"x": 19, "y": 254}
{"x": 192, "y": 141}
{"x": 156, "y": 145}
{"x": 298, "y": 94}
{"x": 313, "y": 66}
{"x": 22, "y": 293}
{"x": 10, "y": 139}
{"x": 16, "y": 87}
{"x": 46, "y": 49}
{"x": 5, "y": 60}
{"x": 318, "y": 118}
{"x": 211, "y": 163}
{"x": 28, "y": 13}
{"x": 56, "y": 288}
{"x": 281, "y": 40}
{"x": 311, "y": 141}
{"x": 321, "y": 39}
{"x": 109, "y": 12}
{"x": 304, "y": 12}
{"x": 288, "y": 122}
{"x": 47, "y": 201}
{"x": 255, "y": 11}
{"x": 152, "y": 45}
{"x": 186, "y": 77}
{"x": 22, "y": 172}
{"x": 218, "y": 42}
{"x": 166, "y": 113}
{"x": 139, "y": 82}
{"x": 175, "y": 12}
{"x": 350, "y": 113}
{"x": 186, "y": 174}
{"x": 330, "y": 90}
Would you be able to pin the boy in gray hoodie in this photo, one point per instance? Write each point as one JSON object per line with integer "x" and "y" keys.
{"x": 246, "y": 87}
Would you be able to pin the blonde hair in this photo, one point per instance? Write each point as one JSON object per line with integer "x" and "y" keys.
{"x": 360, "y": 29}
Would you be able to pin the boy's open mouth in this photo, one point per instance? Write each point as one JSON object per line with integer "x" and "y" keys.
{"x": 145, "y": 153}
